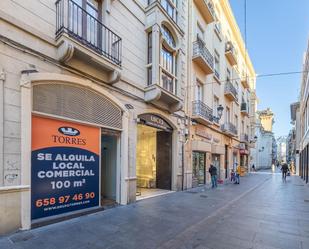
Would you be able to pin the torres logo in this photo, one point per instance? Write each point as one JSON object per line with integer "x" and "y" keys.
{"x": 69, "y": 131}
{"x": 69, "y": 136}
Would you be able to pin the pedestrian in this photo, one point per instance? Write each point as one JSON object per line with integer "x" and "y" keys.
{"x": 284, "y": 169}
{"x": 253, "y": 167}
{"x": 233, "y": 177}
{"x": 213, "y": 173}
{"x": 238, "y": 172}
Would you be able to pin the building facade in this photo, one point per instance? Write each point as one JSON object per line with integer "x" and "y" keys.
{"x": 221, "y": 79}
{"x": 282, "y": 148}
{"x": 295, "y": 136}
{"x": 304, "y": 120}
{"x": 99, "y": 104}
{"x": 263, "y": 155}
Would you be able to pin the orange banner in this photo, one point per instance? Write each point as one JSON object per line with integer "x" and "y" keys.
{"x": 47, "y": 132}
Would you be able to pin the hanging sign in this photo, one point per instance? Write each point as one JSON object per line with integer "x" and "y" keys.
{"x": 64, "y": 167}
{"x": 155, "y": 121}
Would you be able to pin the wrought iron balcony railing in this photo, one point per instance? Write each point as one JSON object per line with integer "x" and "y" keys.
{"x": 229, "y": 128}
{"x": 231, "y": 90}
{"x": 200, "y": 49}
{"x": 80, "y": 25}
{"x": 202, "y": 110}
{"x": 244, "y": 137}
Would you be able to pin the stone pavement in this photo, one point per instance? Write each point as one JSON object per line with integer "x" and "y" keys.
{"x": 260, "y": 213}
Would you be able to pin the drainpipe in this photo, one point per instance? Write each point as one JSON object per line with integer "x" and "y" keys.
{"x": 2, "y": 79}
{"x": 183, "y": 162}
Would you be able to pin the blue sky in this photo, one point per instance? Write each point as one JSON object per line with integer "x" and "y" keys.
{"x": 277, "y": 35}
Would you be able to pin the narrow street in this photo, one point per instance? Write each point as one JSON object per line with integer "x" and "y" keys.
{"x": 261, "y": 212}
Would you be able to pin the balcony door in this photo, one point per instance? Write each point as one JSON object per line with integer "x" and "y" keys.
{"x": 83, "y": 19}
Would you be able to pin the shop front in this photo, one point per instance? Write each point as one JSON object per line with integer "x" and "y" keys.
{"x": 244, "y": 154}
{"x": 76, "y": 133}
{"x": 198, "y": 168}
{"x": 153, "y": 156}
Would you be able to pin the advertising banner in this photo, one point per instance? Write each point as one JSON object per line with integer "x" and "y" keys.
{"x": 64, "y": 167}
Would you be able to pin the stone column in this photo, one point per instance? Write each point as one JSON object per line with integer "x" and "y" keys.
{"x": 2, "y": 79}
{"x": 155, "y": 54}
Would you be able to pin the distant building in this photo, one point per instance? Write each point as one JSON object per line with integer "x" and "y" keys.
{"x": 294, "y": 138}
{"x": 282, "y": 149}
{"x": 265, "y": 150}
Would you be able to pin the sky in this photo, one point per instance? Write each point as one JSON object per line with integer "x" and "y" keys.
{"x": 277, "y": 36}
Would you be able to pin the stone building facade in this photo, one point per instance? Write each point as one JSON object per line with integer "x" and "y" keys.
{"x": 220, "y": 75}
{"x": 97, "y": 98}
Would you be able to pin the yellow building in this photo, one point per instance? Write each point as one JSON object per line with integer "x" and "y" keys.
{"x": 267, "y": 119}
{"x": 220, "y": 74}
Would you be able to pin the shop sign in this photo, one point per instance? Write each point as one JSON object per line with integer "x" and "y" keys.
{"x": 154, "y": 121}
{"x": 202, "y": 133}
{"x": 243, "y": 152}
{"x": 64, "y": 167}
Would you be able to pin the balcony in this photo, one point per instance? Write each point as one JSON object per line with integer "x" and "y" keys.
{"x": 164, "y": 95}
{"x": 80, "y": 34}
{"x": 207, "y": 10}
{"x": 217, "y": 75}
{"x": 244, "y": 109}
{"x": 229, "y": 129}
{"x": 245, "y": 80}
{"x": 244, "y": 138}
{"x": 202, "y": 113}
{"x": 230, "y": 91}
{"x": 203, "y": 57}
{"x": 218, "y": 30}
{"x": 230, "y": 53}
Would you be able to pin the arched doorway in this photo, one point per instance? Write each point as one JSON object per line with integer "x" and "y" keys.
{"x": 76, "y": 136}
{"x": 153, "y": 155}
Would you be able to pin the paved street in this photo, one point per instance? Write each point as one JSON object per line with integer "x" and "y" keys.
{"x": 261, "y": 213}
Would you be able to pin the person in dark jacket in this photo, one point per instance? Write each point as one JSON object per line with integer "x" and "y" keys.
{"x": 284, "y": 169}
{"x": 213, "y": 173}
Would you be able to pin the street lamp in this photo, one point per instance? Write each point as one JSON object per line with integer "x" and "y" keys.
{"x": 220, "y": 111}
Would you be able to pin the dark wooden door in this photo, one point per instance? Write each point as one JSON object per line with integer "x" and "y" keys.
{"x": 164, "y": 160}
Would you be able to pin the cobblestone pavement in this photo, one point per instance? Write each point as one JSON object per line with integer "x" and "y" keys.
{"x": 260, "y": 213}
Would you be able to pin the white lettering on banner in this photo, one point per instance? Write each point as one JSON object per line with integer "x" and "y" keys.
{"x": 64, "y": 173}
{"x": 68, "y": 165}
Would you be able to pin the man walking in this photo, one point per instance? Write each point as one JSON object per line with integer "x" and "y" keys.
{"x": 284, "y": 169}
{"x": 238, "y": 172}
{"x": 213, "y": 172}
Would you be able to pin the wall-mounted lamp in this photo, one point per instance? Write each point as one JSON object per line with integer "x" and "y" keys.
{"x": 220, "y": 111}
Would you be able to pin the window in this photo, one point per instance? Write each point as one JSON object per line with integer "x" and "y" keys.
{"x": 227, "y": 115}
{"x": 149, "y": 59}
{"x": 168, "y": 67}
{"x": 215, "y": 106}
{"x": 170, "y": 7}
{"x": 85, "y": 25}
{"x": 217, "y": 64}
{"x": 199, "y": 32}
{"x": 199, "y": 91}
{"x": 168, "y": 36}
{"x": 236, "y": 121}
{"x": 228, "y": 75}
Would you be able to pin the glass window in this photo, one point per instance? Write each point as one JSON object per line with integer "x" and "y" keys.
{"x": 199, "y": 91}
{"x": 217, "y": 63}
{"x": 168, "y": 36}
{"x": 170, "y": 7}
{"x": 215, "y": 106}
{"x": 228, "y": 115}
{"x": 149, "y": 59}
{"x": 199, "y": 32}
